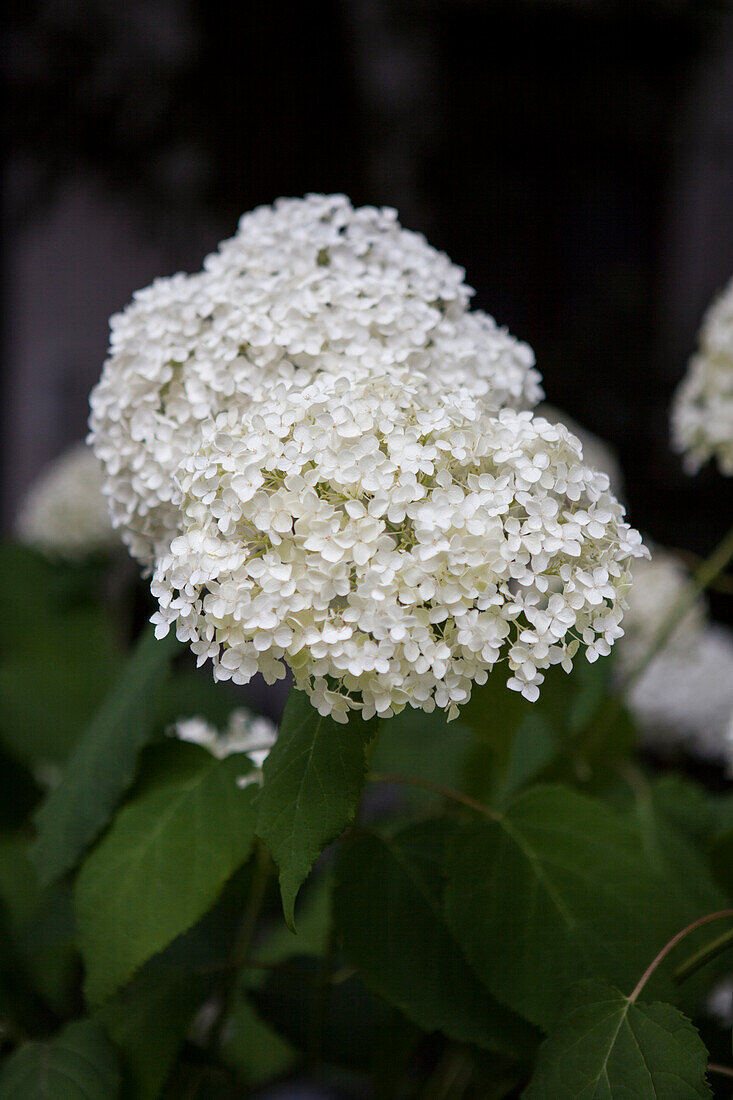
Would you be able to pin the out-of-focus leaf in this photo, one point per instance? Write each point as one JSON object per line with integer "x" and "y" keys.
{"x": 388, "y": 910}
{"x": 78, "y": 1064}
{"x": 342, "y": 1023}
{"x": 102, "y": 766}
{"x": 147, "y": 1022}
{"x": 426, "y": 746}
{"x": 721, "y": 858}
{"x": 252, "y": 1048}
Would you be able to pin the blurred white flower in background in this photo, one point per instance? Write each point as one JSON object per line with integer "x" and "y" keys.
{"x": 702, "y": 412}
{"x": 683, "y": 700}
{"x": 658, "y": 584}
{"x": 307, "y": 286}
{"x": 245, "y": 732}
{"x": 720, "y": 1003}
{"x": 65, "y": 513}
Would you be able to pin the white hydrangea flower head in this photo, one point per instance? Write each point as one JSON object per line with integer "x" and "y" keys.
{"x": 719, "y": 1003}
{"x": 658, "y": 584}
{"x": 247, "y": 733}
{"x": 596, "y": 452}
{"x": 65, "y": 513}
{"x": 305, "y": 287}
{"x": 391, "y": 544}
{"x": 702, "y": 411}
{"x": 684, "y": 700}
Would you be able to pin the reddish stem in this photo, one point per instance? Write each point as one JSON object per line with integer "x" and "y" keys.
{"x": 672, "y": 944}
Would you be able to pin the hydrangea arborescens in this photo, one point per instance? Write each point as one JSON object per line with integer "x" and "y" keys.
{"x": 702, "y": 413}
{"x": 596, "y": 451}
{"x": 64, "y": 513}
{"x": 245, "y": 733}
{"x": 391, "y": 544}
{"x": 306, "y": 286}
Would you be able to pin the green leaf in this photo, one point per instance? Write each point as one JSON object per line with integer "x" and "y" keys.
{"x": 426, "y": 746}
{"x": 698, "y": 813}
{"x": 344, "y": 1022}
{"x": 252, "y": 1048}
{"x": 147, "y": 1023}
{"x": 721, "y": 857}
{"x": 102, "y": 766}
{"x": 313, "y": 779}
{"x": 311, "y": 937}
{"x": 605, "y": 1048}
{"x": 387, "y": 907}
{"x": 51, "y": 691}
{"x": 555, "y": 891}
{"x": 58, "y": 654}
{"x": 677, "y": 857}
{"x": 163, "y": 863}
{"x": 78, "y": 1064}
{"x": 41, "y": 930}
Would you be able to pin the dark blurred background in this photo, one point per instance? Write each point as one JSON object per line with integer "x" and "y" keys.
{"x": 575, "y": 156}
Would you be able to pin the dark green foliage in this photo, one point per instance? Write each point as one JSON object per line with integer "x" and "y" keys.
{"x": 313, "y": 779}
{"x": 78, "y": 1064}
{"x": 605, "y": 1048}
{"x": 556, "y": 890}
{"x": 58, "y": 655}
{"x": 722, "y": 862}
{"x": 102, "y": 765}
{"x": 163, "y": 863}
{"x": 520, "y": 871}
{"x": 389, "y": 911}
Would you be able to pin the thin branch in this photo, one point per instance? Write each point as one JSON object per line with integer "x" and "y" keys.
{"x": 437, "y": 788}
{"x": 724, "y": 1071}
{"x": 704, "y": 955}
{"x": 672, "y": 944}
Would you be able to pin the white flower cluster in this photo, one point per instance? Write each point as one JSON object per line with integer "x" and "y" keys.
{"x": 702, "y": 413}
{"x": 65, "y": 512}
{"x": 246, "y": 733}
{"x": 325, "y": 458}
{"x": 307, "y": 286}
{"x": 684, "y": 698}
{"x": 392, "y": 547}
{"x": 596, "y": 451}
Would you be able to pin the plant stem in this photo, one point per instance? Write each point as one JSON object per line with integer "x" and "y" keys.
{"x": 672, "y": 944}
{"x": 725, "y": 1071}
{"x": 704, "y": 955}
{"x": 239, "y": 956}
{"x": 437, "y": 788}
